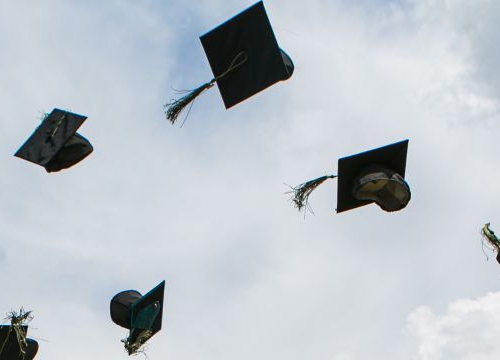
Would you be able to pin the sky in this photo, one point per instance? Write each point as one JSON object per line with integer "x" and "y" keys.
{"x": 203, "y": 206}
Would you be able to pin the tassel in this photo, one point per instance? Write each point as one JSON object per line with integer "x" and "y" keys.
{"x": 490, "y": 236}
{"x": 493, "y": 240}
{"x": 52, "y": 133}
{"x": 135, "y": 347}
{"x": 301, "y": 192}
{"x": 175, "y": 106}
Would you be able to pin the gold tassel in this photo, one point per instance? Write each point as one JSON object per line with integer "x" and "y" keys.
{"x": 490, "y": 236}
{"x": 133, "y": 348}
{"x": 492, "y": 239}
{"x": 175, "y": 106}
{"x": 301, "y": 192}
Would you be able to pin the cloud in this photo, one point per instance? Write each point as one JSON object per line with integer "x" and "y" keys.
{"x": 468, "y": 330}
{"x": 465, "y": 76}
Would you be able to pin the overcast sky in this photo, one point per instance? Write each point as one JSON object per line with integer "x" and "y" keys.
{"x": 203, "y": 206}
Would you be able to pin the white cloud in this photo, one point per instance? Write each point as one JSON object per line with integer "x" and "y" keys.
{"x": 468, "y": 330}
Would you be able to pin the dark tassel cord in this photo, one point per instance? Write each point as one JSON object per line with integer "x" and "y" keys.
{"x": 51, "y": 134}
{"x": 301, "y": 192}
{"x": 175, "y": 106}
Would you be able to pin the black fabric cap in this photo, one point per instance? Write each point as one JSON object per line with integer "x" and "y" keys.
{"x": 120, "y": 307}
{"x": 153, "y": 298}
{"x": 55, "y": 144}
{"x": 247, "y": 36}
{"x": 392, "y": 156}
{"x": 11, "y": 350}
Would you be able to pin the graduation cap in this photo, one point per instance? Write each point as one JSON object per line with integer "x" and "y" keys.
{"x": 55, "y": 144}
{"x": 142, "y": 315}
{"x": 371, "y": 176}
{"x": 244, "y": 57}
{"x": 10, "y": 347}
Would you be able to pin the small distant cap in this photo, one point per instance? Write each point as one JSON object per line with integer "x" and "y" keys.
{"x": 11, "y": 349}
{"x": 246, "y": 40}
{"x": 392, "y": 157}
{"x": 131, "y": 310}
{"x": 55, "y": 145}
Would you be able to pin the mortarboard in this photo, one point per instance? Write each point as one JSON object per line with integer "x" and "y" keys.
{"x": 244, "y": 57}
{"x": 370, "y": 168}
{"x": 10, "y": 348}
{"x": 55, "y": 145}
{"x": 142, "y": 315}
{"x": 371, "y": 176}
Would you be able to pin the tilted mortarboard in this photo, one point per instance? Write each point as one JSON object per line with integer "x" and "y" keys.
{"x": 142, "y": 315}
{"x": 372, "y": 176}
{"x": 55, "y": 144}
{"x": 245, "y": 59}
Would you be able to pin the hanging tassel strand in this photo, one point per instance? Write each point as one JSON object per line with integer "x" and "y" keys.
{"x": 301, "y": 192}
{"x": 175, "y": 106}
{"x": 490, "y": 236}
{"x": 135, "y": 347}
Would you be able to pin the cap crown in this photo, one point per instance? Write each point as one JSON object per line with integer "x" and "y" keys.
{"x": 120, "y": 307}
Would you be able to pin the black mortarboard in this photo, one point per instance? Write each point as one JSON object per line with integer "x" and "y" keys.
{"x": 55, "y": 145}
{"x": 9, "y": 344}
{"x": 372, "y": 176}
{"x": 244, "y": 57}
{"x": 142, "y": 315}
{"x": 251, "y": 34}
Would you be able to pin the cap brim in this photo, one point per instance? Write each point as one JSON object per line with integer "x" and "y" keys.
{"x": 392, "y": 156}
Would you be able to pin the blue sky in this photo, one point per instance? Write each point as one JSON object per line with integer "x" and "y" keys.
{"x": 203, "y": 206}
